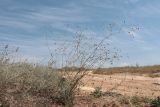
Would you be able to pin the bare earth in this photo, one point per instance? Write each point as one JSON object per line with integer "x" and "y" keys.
{"x": 124, "y": 84}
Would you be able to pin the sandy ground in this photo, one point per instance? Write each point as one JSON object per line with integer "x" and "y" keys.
{"x": 124, "y": 84}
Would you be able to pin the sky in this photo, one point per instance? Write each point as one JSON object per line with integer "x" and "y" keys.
{"x": 34, "y": 25}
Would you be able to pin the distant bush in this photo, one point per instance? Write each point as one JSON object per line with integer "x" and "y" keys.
{"x": 135, "y": 101}
{"x": 151, "y": 71}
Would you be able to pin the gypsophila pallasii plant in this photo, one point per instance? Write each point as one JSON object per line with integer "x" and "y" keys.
{"x": 83, "y": 53}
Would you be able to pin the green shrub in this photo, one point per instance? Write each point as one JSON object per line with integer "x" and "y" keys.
{"x": 97, "y": 92}
{"x": 156, "y": 102}
{"x": 124, "y": 100}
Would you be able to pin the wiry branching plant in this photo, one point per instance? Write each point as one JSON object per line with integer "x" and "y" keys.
{"x": 77, "y": 58}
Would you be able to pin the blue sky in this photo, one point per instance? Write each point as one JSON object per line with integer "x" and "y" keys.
{"x": 31, "y": 25}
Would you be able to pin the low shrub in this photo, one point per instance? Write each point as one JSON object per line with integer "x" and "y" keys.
{"x": 97, "y": 92}
{"x": 155, "y": 102}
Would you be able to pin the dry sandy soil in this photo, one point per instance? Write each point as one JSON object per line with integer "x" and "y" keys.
{"x": 124, "y": 84}
{"x": 121, "y": 84}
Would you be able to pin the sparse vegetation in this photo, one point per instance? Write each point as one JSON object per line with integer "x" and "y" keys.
{"x": 135, "y": 101}
{"x": 23, "y": 84}
{"x": 151, "y": 71}
{"x": 55, "y": 84}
